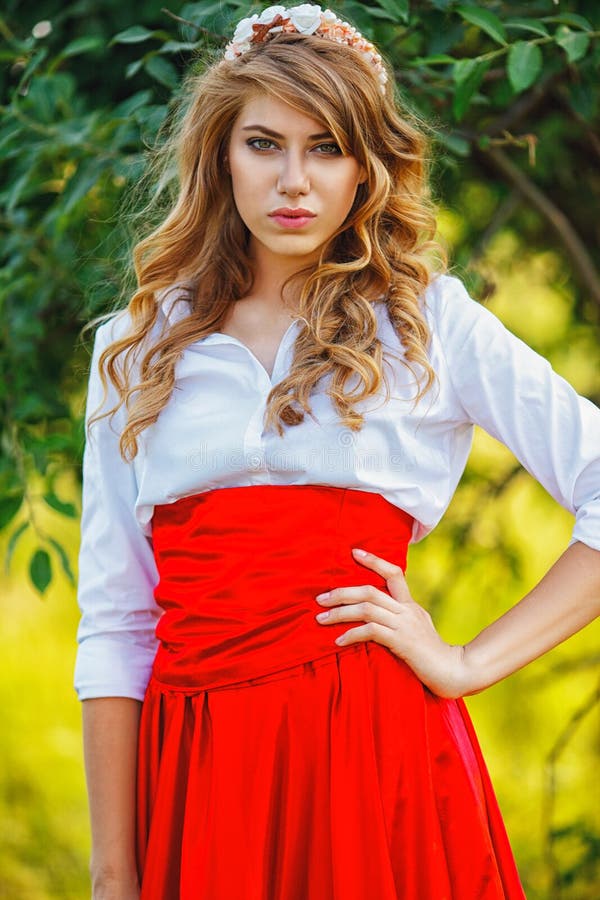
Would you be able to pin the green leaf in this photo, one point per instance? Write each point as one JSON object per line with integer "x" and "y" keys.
{"x": 162, "y": 70}
{"x": 467, "y": 74}
{"x": 34, "y": 63}
{"x": 376, "y": 13}
{"x": 573, "y": 19}
{"x": 9, "y": 507}
{"x": 40, "y": 570}
{"x": 64, "y": 559}
{"x": 50, "y": 96}
{"x": 12, "y": 543}
{"x": 485, "y": 20}
{"x": 134, "y": 35}
{"x": 16, "y": 191}
{"x": 82, "y": 45}
{"x": 524, "y": 65}
{"x": 435, "y": 60}
{"x": 133, "y": 68}
{"x": 398, "y": 9}
{"x": 583, "y": 99}
{"x": 126, "y": 108}
{"x": 574, "y": 43}
{"x": 199, "y": 12}
{"x": 460, "y": 146}
{"x": 178, "y": 47}
{"x": 86, "y": 176}
{"x": 532, "y": 25}
{"x": 151, "y": 118}
{"x": 67, "y": 509}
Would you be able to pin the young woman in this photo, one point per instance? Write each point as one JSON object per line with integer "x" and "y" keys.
{"x": 294, "y": 383}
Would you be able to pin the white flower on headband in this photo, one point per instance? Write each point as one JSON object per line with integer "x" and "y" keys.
{"x": 268, "y": 14}
{"x": 307, "y": 18}
{"x": 244, "y": 33}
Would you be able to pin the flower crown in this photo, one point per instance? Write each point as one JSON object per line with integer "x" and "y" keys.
{"x": 304, "y": 19}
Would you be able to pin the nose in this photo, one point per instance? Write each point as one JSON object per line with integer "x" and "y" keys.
{"x": 293, "y": 176}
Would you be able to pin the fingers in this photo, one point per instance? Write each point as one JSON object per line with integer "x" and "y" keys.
{"x": 360, "y": 594}
{"x": 361, "y": 612}
{"x": 377, "y": 610}
{"x": 393, "y": 573}
{"x": 371, "y": 631}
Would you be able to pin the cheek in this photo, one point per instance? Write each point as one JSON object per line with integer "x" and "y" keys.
{"x": 248, "y": 179}
{"x": 344, "y": 189}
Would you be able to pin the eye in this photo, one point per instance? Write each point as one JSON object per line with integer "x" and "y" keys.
{"x": 329, "y": 149}
{"x": 256, "y": 142}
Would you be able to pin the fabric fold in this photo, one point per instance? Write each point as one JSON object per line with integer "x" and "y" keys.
{"x": 275, "y": 765}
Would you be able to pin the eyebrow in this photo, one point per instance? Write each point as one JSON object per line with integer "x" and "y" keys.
{"x": 280, "y": 137}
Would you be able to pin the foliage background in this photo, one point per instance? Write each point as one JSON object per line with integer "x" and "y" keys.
{"x": 511, "y": 91}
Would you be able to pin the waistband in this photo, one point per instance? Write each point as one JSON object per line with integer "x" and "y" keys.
{"x": 239, "y": 569}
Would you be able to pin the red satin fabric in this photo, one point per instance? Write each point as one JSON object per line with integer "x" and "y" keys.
{"x": 275, "y": 765}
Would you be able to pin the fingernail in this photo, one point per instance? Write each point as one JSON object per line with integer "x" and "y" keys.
{"x": 323, "y": 596}
{"x": 359, "y": 552}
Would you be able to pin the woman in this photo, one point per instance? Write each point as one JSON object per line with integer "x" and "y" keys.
{"x": 292, "y": 384}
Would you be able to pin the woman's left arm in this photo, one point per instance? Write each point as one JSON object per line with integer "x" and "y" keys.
{"x": 496, "y": 381}
{"x": 564, "y": 601}
{"x": 513, "y": 393}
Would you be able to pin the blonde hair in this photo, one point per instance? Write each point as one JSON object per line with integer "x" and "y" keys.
{"x": 380, "y": 252}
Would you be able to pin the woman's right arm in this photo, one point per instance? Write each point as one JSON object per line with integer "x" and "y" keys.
{"x": 116, "y": 636}
{"x": 110, "y": 729}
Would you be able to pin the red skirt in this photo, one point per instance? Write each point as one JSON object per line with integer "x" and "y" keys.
{"x": 275, "y": 765}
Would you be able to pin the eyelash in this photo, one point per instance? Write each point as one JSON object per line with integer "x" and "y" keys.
{"x": 253, "y": 141}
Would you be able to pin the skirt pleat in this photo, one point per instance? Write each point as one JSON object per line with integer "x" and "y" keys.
{"x": 342, "y": 778}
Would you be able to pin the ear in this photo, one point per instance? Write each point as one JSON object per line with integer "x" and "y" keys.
{"x": 362, "y": 175}
{"x": 226, "y": 164}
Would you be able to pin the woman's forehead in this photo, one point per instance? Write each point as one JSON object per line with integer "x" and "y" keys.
{"x": 278, "y": 115}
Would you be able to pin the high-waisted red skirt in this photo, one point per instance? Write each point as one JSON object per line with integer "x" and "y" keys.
{"x": 276, "y": 765}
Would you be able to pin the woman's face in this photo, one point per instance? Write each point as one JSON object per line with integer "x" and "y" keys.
{"x": 282, "y": 162}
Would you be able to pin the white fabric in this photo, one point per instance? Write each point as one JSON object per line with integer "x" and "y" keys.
{"x": 210, "y": 436}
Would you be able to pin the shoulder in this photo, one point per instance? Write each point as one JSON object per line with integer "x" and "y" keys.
{"x": 457, "y": 320}
{"x": 447, "y": 297}
{"x": 115, "y": 327}
{"x": 173, "y": 304}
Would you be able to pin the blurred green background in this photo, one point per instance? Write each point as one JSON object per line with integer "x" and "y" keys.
{"x": 511, "y": 92}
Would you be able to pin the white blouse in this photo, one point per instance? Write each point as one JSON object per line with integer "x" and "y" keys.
{"x": 210, "y": 435}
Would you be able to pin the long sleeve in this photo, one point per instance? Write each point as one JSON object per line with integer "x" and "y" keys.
{"x": 513, "y": 393}
{"x": 117, "y": 571}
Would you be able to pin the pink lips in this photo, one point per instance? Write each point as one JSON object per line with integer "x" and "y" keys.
{"x": 289, "y": 217}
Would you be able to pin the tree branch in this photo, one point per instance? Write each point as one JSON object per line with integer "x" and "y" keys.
{"x": 219, "y": 38}
{"x": 581, "y": 260}
{"x": 524, "y": 106}
{"x": 562, "y": 97}
{"x": 501, "y": 216}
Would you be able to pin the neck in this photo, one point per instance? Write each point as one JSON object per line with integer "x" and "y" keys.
{"x": 270, "y": 273}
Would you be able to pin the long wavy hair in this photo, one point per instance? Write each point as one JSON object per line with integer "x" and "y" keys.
{"x": 385, "y": 250}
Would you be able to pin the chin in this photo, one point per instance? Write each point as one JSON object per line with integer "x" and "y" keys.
{"x": 294, "y": 247}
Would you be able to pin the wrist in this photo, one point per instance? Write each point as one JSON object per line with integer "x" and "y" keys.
{"x": 113, "y": 879}
{"x": 474, "y": 676}
{"x": 462, "y": 680}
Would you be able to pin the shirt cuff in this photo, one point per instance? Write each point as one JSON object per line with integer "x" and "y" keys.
{"x": 587, "y": 526}
{"x": 109, "y": 667}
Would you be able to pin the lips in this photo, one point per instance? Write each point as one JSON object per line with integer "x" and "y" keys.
{"x": 289, "y": 217}
{"x": 288, "y": 212}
